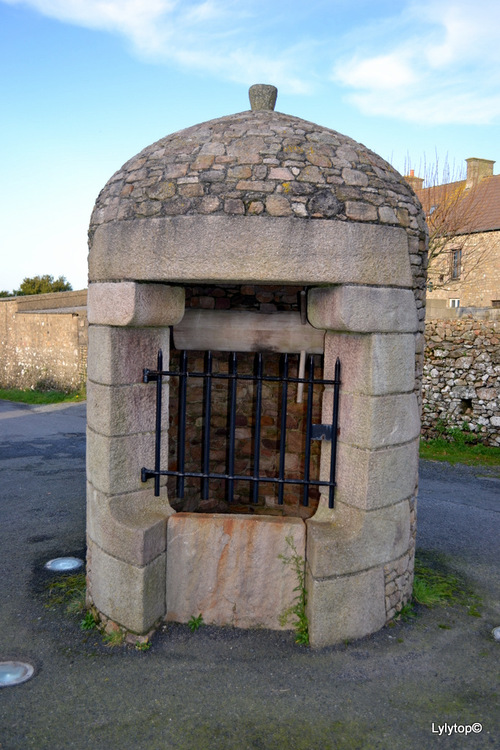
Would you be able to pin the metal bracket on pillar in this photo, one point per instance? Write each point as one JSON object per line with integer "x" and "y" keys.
{"x": 321, "y": 432}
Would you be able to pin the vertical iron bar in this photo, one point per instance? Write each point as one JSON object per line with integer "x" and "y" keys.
{"x": 258, "y": 414}
{"x": 159, "y": 383}
{"x": 307, "y": 457}
{"x": 181, "y": 428}
{"x": 284, "y": 404}
{"x": 233, "y": 369}
{"x": 335, "y": 417}
{"x": 208, "y": 418}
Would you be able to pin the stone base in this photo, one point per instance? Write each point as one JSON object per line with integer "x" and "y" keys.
{"x": 346, "y": 607}
{"x": 132, "y": 596}
{"x": 228, "y": 568}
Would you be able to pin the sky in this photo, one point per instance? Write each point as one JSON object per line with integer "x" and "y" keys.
{"x": 87, "y": 84}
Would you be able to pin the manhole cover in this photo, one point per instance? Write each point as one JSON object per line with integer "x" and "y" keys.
{"x": 14, "y": 672}
{"x": 64, "y": 564}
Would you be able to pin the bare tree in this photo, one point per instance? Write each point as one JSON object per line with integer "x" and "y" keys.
{"x": 456, "y": 211}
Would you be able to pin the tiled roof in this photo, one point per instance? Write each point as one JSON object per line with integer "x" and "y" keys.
{"x": 476, "y": 209}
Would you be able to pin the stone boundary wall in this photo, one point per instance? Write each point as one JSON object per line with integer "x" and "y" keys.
{"x": 43, "y": 341}
{"x": 461, "y": 381}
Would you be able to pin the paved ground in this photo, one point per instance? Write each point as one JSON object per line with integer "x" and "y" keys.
{"x": 225, "y": 689}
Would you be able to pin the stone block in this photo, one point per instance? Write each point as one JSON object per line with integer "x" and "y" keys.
{"x": 117, "y": 356}
{"x": 238, "y": 330}
{"x": 345, "y": 608}
{"x": 130, "y": 595}
{"x": 370, "y": 479}
{"x": 356, "y": 540}
{"x": 376, "y": 421}
{"x": 227, "y": 568}
{"x": 359, "y": 211}
{"x": 127, "y": 303}
{"x": 222, "y": 248}
{"x": 362, "y": 309}
{"x": 114, "y": 463}
{"x": 124, "y": 410}
{"x": 372, "y": 364}
{"x": 130, "y": 527}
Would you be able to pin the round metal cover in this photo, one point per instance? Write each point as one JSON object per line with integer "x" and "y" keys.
{"x": 14, "y": 672}
{"x": 64, "y": 564}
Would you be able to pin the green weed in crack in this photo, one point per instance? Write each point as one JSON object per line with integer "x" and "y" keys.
{"x": 298, "y": 609}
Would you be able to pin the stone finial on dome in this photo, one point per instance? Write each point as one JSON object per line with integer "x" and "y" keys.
{"x": 262, "y": 96}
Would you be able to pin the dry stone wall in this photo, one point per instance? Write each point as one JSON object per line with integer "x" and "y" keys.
{"x": 462, "y": 378}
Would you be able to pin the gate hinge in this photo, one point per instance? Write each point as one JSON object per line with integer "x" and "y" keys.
{"x": 321, "y": 432}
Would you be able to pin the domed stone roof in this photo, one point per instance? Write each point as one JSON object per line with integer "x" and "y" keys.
{"x": 259, "y": 163}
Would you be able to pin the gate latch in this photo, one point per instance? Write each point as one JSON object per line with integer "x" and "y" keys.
{"x": 149, "y": 376}
{"x": 321, "y": 432}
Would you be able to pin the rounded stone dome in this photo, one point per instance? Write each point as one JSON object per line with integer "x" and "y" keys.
{"x": 259, "y": 163}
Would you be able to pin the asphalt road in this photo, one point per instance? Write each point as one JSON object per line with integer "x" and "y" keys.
{"x": 226, "y": 689}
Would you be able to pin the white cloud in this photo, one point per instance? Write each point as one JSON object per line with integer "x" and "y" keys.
{"x": 464, "y": 32}
{"x": 440, "y": 64}
{"x": 418, "y": 60}
{"x": 382, "y": 72}
{"x": 216, "y": 36}
{"x": 441, "y": 108}
{"x": 132, "y": 17}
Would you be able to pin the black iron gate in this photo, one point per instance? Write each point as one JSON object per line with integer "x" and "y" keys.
{"x": 313, "y": 431}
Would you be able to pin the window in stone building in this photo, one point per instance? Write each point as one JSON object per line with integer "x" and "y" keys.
{"x": 455, "y": 264}
{"x": 495, "y": 302}
{"x": 454, "y": 302}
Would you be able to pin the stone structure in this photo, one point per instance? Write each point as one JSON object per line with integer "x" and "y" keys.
{"x": 258, "y": 198}
{"x": 462, "y": 377}
{"x": 43, "y": 341}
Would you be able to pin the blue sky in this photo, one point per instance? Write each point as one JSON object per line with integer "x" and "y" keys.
{"x": 86, "y": 84}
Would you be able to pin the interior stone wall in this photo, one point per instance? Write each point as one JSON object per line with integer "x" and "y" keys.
{"x": 265, "y": 299}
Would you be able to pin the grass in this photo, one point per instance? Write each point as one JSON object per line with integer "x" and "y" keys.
{"x": 433, "y": 588}
{"x": 116, "y": 638}
{"x": 88, "y": 622}
{"x": 440, "y": 449}
{"x": 41, "y": 396}
{"x": 68, "y": 590}
{"x": 436, "y": 585}
{"x": 458, "y": 446}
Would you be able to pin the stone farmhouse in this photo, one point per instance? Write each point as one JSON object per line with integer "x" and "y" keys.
{"x": 464, "y": 228}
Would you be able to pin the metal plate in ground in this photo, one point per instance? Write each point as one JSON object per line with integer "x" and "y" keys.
{"x": 64, "y": 564}
{"x": 14, "y": 672}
